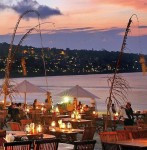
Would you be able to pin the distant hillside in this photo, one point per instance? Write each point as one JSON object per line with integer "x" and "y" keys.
{"x": 66, "y": 62}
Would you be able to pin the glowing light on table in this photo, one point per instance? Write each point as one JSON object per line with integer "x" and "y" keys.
{"x": 72, "y": 115}
{"x": 53, "y": 124}
{"x": 39, "y": 129}
{"x": 69, "y": 125}
{"x": 59, "y": 122}
{"x": 63, "y": 125}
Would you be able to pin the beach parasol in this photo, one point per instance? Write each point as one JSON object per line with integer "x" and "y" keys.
{"x": 77, "y": 91}
{"x": 27, "y": 87}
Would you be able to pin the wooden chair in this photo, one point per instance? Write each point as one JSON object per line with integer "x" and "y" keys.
{"x": 35, "y": 115}
{"x": 14, "y": 126}
{"x": 84, "y": 145}
{"x": 123, "y": 135}
{"x": 107, "y": 137}
{"x": 142, "y": 133}
{"x": 46, "y": 120}
{"x": 21, "y": 145}
{"x": 3, "y": 116}
{"x": 131, "y": 128}
{"x": 140, "y": 122}
{"x": 2, "y": 137}
{"x": 46, "y": 144}
{"x": 24, "y": 122}
{"x": 135, "y": 134}
{"x": 88, "y": 133}
{"x": 110, "y": 123}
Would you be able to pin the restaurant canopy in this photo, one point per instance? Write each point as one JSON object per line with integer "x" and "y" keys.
{"x": 77, "y": 91}
{"x": 27, "y": 87}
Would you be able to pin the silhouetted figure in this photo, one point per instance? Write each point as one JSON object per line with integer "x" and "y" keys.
{"x": 113, "y": 108}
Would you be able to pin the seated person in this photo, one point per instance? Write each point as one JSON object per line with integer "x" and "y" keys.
{"x": 79, "y": 106}
{"x": 15, "y": 113}
{"x": 86, "y": 108}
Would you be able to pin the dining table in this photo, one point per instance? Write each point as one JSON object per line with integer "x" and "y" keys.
{"x": 64, "y": 134}
{"x": 20, "y": 134}
{"x": 78, "y": 123}
{"x": 139, "y": 144}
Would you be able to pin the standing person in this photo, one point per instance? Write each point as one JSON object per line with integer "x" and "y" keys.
{"x": 75, "y": 103}
{"x": 79, "y": 106}
{"x": 35, "y": 104}
{"x": 113, "y": 109}
{"x": 92, "y": 102}
{"x": 126, "y": 112}
{"x": 129, "y": 113}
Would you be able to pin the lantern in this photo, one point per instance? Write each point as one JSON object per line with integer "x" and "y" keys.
{"x": 39, "y": 129}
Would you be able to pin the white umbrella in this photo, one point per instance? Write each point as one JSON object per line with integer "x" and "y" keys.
{"x": 27, "y": 87}
{"x": 76, "y": 92}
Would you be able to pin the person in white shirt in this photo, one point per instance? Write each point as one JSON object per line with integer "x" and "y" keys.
{"x": 126, "y": 114}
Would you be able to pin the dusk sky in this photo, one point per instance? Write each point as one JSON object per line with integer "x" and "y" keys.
{"x": 77, "y": 24}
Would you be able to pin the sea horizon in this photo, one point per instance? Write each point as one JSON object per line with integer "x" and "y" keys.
{"x": 94, "y": 83}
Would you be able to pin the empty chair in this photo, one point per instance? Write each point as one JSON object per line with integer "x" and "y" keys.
{"x": 106, "y": 138}
{"x": 35, "y": 115}
{"x": 131, "y": 128}
{"x": 21, "y": 145}
{"x": 84, "y": 145}
{"x": 135, "y": 134}
{"x": 123, "y": 135}
{"x": 46, "y": 120}
{"x": 110, "y": 123}
{"x": 2, "y": 137}
{"x": 140, "y": 122}
{"x": 143, "y": 133}
{"x": 88, "y": 133}
{"x": 46, "y": 144}
{"x": 14, "y": 126}
{"x": 3, "y": 115}
{"x": 24, "y": 122}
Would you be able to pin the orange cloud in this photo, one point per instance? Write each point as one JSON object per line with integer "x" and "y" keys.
{"x": 137, "y": 4}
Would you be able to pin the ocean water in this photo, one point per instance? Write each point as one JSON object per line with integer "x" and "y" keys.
{"x": 96, "y": 84}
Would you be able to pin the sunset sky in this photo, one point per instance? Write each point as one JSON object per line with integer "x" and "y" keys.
{"x": 77, "y": 24}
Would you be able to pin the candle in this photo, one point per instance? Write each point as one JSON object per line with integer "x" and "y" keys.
{"x": 27, "y": 128}
{"x": 27, "y": 110}
{"x": 39, "y": 128}
{"x": 32, "y": 126}
{"x": 63, "y": 126}
{"x": 94, "y": 112}
{"x": 69, "y": 126}
{"x": 53, "y": 124}
{"x": 42, "y": 109}
{"x": 72, "y": 116}
{"x": 59, "y": 122}
{"x": 79, "y": 116}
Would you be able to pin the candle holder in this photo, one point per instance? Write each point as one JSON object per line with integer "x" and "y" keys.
{"x": 63, "y": 125}
{"x": 59, "y": 122}
{"x": 32, "y": 128}
{"x": 53, "y": 124}
{"x": 79, "y": 117}
{"x": 69, "y": 125}
{"x": 72, "y": 115}
{"x": 39, "y": 129}
{"x": 27, "y": 128}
